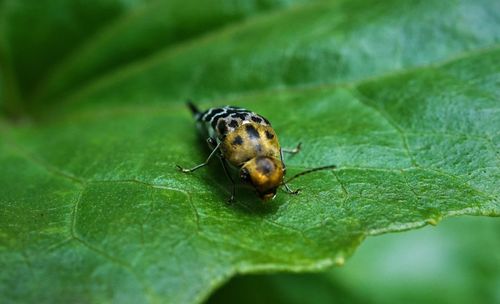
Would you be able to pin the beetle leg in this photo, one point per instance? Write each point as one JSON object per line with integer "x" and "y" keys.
{"x": 287, "y": 189}
{"x": 290, "y": 191}
{"x": 202, "y": 164}
{"x": 212, "y": 143}
{"x": 233, "y": 185}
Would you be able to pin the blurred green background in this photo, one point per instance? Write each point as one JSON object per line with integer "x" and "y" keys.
{"x": 50, "y": 47}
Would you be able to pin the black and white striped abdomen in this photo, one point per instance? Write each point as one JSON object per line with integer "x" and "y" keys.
{"x": 218, "y": 122}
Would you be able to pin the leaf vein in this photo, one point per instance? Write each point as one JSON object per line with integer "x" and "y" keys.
{"x": 404, "y": 139}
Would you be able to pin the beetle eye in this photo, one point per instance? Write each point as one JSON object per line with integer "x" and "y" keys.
{"x": 245, "y": 175}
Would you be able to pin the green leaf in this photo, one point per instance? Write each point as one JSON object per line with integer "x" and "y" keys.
{"x": 93, "y": 209}
{"x": 342, "y": 42}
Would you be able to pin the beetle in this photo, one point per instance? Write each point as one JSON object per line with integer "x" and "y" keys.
{"x": 245, "y": 141}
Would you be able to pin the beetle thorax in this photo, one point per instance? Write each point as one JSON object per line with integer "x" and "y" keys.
{"x": 248, "y": 141}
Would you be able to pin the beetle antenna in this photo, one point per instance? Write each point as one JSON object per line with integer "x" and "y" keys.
{"x": 310, "y": 171}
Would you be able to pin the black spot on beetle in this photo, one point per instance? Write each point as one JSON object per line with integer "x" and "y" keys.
{"x": 239, "y": 115}
{"x": 265, "y": 165}
{"x": 216, "y": 118}
{"x": 252, "y": 133}
{"x": 233, "y": 123}
{"x": 269, "y": 135}
{"x": 237, "y": 141}
{"x": 267, "y": 121}
{"x": 222, "y": 127}
{"x": 212, "y": 113}
{"x": 266, "y": 169}
{"x": 256, "y": 119}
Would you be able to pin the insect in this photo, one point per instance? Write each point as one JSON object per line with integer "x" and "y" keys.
{"x": 245, "y": 141}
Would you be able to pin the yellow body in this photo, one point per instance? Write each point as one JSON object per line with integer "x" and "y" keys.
{"x": 255, "y": 149}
